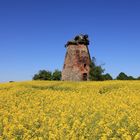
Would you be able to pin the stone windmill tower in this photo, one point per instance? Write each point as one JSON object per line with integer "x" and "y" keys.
{"x": 77, "y": 60}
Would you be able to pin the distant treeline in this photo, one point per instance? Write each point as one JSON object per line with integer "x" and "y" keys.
{"x": 96, "y": 74}
{"x": 48, "y": 75}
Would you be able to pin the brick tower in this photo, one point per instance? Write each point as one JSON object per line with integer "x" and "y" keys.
{"x": 77, "y": 60}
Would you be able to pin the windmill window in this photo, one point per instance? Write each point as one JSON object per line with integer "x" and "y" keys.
{"x": 85, "y": 65}
{"x": 85, "y": 76}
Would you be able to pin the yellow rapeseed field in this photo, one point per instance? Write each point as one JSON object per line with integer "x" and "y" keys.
{"x": 40, "y": 110}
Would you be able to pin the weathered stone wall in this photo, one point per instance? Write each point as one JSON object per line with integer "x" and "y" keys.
{"x": 76, "y": 65}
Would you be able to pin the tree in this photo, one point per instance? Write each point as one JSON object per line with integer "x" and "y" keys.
{"x": 138, "y": 78}
{"x": 95, "y": 73}
{"x": 122, "y": 76}
{"x": 36, "y": 77}
{"x": 43, "y": 75}
{"x": 131, "y": 78}
{"x": 91, "y": 72}
{"x": 107, "y": 76}
{"x": 56, "y": 75}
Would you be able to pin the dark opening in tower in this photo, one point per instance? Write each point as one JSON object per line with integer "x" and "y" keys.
{"x": 84, "y": 76}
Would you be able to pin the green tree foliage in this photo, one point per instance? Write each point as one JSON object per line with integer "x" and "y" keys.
{"x": 43, "y": 75}
{"x": 96, "y": 71}
{"x": 107, "y": 76}
{"x": 122, "y": 76}
{"x": 91, "y": 72}
{"x": 131, "y": 78}
{"x": 138, "y": 78}
{"x": 56, "y": 75}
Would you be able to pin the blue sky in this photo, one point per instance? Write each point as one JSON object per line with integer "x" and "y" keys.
{"x": 33, "y": 34}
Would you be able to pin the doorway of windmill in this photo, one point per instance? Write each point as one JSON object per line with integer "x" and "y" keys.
{"x": 84, "y": 76}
